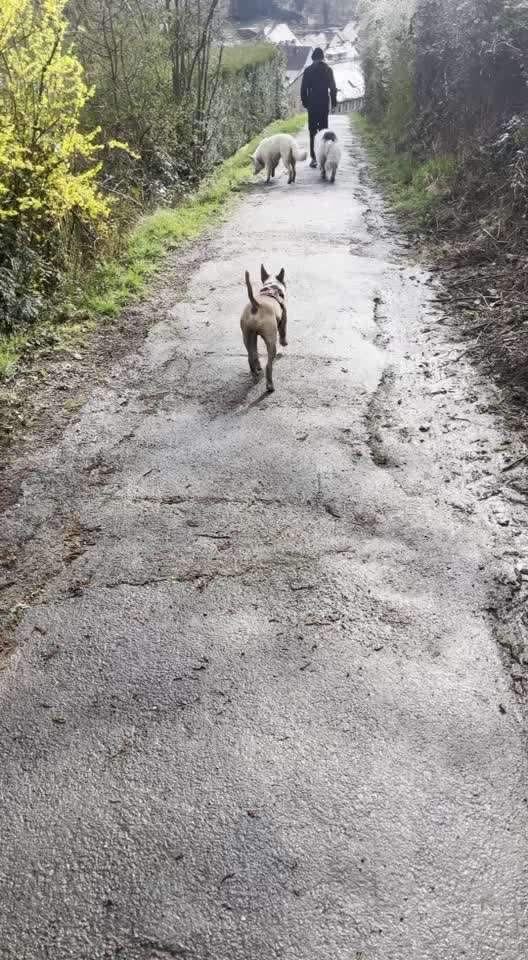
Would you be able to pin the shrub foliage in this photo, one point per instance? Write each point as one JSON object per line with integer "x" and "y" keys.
{"x": 48, "y": 162}
{"x": 445, "y": 71}
{"x": 450, "y": 78}
{"x": 110, "y": 107}
{"x": 447, "y": 101}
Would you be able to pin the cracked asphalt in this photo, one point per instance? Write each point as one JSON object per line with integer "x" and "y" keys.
{"x": 256, "y": 707}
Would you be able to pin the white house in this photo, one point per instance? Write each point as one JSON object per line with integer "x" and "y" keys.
{"x": 280, "y": 33}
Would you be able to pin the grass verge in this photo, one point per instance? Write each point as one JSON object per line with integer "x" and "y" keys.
{"x": 414, "y": 189}
{"x": 168, "y": 228}
{"x": 119, "y": 281}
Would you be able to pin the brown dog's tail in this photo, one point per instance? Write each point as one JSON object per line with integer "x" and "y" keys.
{"x": 253, "y": 302}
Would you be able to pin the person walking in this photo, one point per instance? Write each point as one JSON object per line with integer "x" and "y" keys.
{"x": 318, "y": 90}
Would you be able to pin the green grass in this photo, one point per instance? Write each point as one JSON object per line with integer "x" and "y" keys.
{"x": 119, "y": 281}
{"x": 167, "y": 228}
{"x": 241, "y": 56}
{"x": 414, "y": 189}
{"x": 65, "y": 337}
{"x": 10, "y": 349}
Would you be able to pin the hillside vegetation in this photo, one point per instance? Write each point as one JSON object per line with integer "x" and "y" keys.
{"x": 447, "y": 116}
{"x": 110, "y": 109}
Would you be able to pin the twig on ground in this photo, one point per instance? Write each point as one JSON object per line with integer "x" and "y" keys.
{"x": 516, "y": 463}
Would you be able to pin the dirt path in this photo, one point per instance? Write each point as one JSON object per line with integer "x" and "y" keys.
{"x": 257, "y": 708}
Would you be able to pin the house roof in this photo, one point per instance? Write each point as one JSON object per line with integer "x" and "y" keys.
{"x": 248, "y": 33}
{"x": 296, "y": 57}
{"x": 280, "y": 33}
{"x": 350, "y": 31}
{"x": 316, "y": 39}
{"x": 338, "y": 40}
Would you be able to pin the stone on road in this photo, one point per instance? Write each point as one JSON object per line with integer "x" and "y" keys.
{"x": 256, "y": 708}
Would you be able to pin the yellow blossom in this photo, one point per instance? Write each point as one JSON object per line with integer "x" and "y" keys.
{"x": 48, "y": 164}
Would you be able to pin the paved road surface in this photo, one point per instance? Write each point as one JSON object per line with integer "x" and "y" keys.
{"x": 257, "y": 710}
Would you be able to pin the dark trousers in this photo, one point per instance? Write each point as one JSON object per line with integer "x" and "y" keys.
{"x": 317, "y": 120}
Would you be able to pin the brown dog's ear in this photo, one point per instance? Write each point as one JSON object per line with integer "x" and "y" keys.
{"x": 264, "y": 275}
{"x": 280, "y": 276}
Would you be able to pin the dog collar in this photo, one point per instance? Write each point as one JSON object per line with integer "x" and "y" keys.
{"x": 274, "y": 292}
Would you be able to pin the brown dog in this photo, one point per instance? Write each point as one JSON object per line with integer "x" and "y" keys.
{"x": 265, "y": 316}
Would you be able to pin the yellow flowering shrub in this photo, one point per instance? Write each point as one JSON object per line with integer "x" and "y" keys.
{"x": 48, "y": 164}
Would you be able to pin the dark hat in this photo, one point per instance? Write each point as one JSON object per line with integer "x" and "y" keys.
{"x": 318, "y": 54}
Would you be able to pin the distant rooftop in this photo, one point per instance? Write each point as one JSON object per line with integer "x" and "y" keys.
{"x": 280, "y": 33}
{"x": 350, "y": 32}
{"x": 296, "y": 57}
{"x": 248, "y": 33}
{"x": 316, "y": 39}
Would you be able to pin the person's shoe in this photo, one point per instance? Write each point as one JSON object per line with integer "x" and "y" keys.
{"x": 313, "y": 164}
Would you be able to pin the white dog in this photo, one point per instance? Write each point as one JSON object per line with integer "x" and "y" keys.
{"x": 273, "y": 149}
{"x": 329, "y": 154}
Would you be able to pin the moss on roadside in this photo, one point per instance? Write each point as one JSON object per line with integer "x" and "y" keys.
{"x": 10, "y": 350}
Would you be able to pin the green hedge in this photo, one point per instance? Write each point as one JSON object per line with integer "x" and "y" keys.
{"x": 246, "y": 56}
{"x": 251, "y": 94}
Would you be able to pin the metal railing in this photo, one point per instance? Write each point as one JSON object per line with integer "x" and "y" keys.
{"x": 354, "y": 105}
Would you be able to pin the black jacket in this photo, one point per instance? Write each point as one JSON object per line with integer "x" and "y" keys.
{"x": 317, "y": 84}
